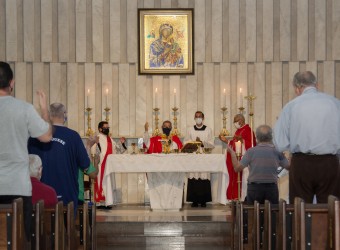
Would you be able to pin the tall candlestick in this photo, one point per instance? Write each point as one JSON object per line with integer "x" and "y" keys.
{"x": 224, "y": 104}
{"x": 238, "y": 145}
{"x": 241, "y": 98}
{"x": 87, "y": 98}
{"x": 106, "y": 94}
{"x": 175, "y": 98}
{"x": 156, "y": 98}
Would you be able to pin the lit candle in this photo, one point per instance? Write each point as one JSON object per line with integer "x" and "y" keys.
{"x": 175, "y": 98}
{"x": 238, "y": 145}
{"x": 156, "y": 98}
{"x": 224, "y": 104}
{"x": 87, "y": 98}
{"x": 107, "y": 93}
{"x": 241, "y": 98}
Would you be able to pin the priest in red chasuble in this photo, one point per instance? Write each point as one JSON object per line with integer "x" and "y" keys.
{"x": 247, "y": 137}
{"x": 154, "y": 144}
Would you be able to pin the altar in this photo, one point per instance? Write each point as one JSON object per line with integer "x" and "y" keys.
{"x": 166, "y": 174}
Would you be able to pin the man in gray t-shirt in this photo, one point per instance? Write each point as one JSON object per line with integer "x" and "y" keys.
{"x": 18, "y": 121}
{"x": 263, "y": 162}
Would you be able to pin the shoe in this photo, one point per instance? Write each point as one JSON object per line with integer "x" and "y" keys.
{"x": 101, "y": 207}
{"x": 108, "y": 207}
{"x": 204, "y": 204}
{"x": 194, "y": 204}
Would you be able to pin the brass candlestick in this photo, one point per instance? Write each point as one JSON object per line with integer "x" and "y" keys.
{"x": 250, "y": 98}
{"x": 89, "y": 131}
{"x": 224, "y": 130}
{"x": 156, "y": 132}
{"x": 241, "y": 110}
{"x": 107, "y": 113}
{"x": 238, "y": 156}
{"x": 175, "y": 130}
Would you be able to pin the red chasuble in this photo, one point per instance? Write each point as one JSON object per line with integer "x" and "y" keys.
{"x": 98, "y": 187}
{"x": 156, "y": 145}
{"x": 246, "y": 134}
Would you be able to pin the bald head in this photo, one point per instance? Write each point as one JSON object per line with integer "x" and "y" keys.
{"x": 264, "y": 133}
{"x": 304, "y": 79}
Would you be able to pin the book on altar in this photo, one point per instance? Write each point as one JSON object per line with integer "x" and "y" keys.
{"x": 191, "y": 147}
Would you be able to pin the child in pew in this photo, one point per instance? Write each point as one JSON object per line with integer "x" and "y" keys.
{"x": 40, "y": 191}
{"x": 263, "y": 161}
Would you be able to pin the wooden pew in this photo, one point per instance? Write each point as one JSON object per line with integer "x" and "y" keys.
{"x": 12, "y": 218}
{"x": 54, "y": 227}
{"x": 70, "y": 226}
{"x": 37, "y": 236}
{"x": 86, "y": 224}
{"x": 333, "y": 239}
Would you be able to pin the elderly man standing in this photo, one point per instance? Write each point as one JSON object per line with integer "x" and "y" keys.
{"x": 18, "y": 121}
{"x": 61, "y": 157}
{"x": 309, "y": 127}
{"x": 263, "y": 162}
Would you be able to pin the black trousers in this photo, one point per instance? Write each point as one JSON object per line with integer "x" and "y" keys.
{"x": 199, "y": 190}
{"x": 311, "y": 175}
{"x": 27, "y": 207}
{"x": 261, "y": 192}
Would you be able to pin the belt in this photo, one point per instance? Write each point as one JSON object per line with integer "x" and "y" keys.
{"x": 311, "y": 154}
{"x": 263, "y": 183}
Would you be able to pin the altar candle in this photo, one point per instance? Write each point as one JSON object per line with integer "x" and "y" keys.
{"x": 175, "y": 98}
{"x": 241, "y": 98}
{"x": 238, "y": 145}
{"x": 106, "y": 95}
{"x": 156, "y": 98}
{"x": 224, "y": 104}
{"x": 87, "y": 98}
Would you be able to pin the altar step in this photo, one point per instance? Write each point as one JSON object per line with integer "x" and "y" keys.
{"x": 200, "y": 228}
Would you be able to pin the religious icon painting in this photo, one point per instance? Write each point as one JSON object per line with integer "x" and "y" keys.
{"x": 165, "y": 41}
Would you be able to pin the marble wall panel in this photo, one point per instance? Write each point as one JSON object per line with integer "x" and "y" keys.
{"x": 97, "y": 30}
{"x": 251, "y": 31}
{"x": 80, "y": 31}
{"x": 320, "y": 30}
{"x": 115, "y": 100}
{"x": 124, "y": 100}
{"x": 285, "y": 30}
{"x": 276, "y": 94}
{"x": 107, "y": 91}
{"x": 328, "y": 77}
{"x": 46, "y": 31}
{"x": 28, "y": 9}
{"x": 199, "y": 23}
{"x": 90, "y": 93}
{"x": 234, "y": 31}
{"x": 208, "y": 97}
{"x": 132, "y": 42}
{"x": 20, "y": 87}
{"x": 72, "y": 96}
{"x": 302, "y": 30}
{"x": 11, "y": 31}
{"x": 268, "y": 32}
{"x": 63, "y": 30}
{"x": 115, "y": 30}
{"x": 217, "y": 31}
{"x": 260, "y": 93}
{"x": 336, "y": 30}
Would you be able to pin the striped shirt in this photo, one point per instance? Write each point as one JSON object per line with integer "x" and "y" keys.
{"x": 263, "y": 162}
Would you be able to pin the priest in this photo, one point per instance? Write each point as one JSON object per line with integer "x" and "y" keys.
{"x": 248, "y": 140}
{"x": 199, "y": 189}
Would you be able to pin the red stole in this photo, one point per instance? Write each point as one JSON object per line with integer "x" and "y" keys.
{"x": 156, "y": 145}
{"x": 98, "y": 187}
{"x": 246, "y": 134}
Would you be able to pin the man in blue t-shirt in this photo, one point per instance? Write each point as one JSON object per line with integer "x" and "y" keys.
{"x": 62, "y": 157}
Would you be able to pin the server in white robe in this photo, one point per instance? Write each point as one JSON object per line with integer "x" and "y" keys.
{"x": 199, "y": 189}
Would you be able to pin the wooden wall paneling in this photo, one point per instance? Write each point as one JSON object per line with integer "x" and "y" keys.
{"x": 312, "y": 66}
{"x": 208, "y": 30}
{"x": 329, "y": 30}
{"x": 311, "y": 30}
{"x": 63, "y": 31}
{"x": 336, "y": 30}
{"x": 208, "y": 97}
{"x": 286, "y": 81}
{"x": 29, "y": 82}
{"x": 157, "y": 82}
{"x": 72, "y": 96}
{"x": 234, "y": 30}
{"x": 200, "y": 91}
{"x": 276, "y": 31}
{"x": 225, "y": 30}
{"x": 115, "y": 31}
{"x": 225, "y": 84}
{"x": 276, "y": 93}
{"x": 38, "y": 82}
{"x": 81, "y": 98}
{"x": 20, "y": 80}
{"x": 106, "y": 31}
{"x": 89, "y": 41}
{"x": 242, "y": 83}
{"x": 132, "y": 43}
{"x": 259, "y": 30}
{"x": 11, "y": 31}
{"x": 37, "y": 30}
{"x": 28, "y": 10}
{"x": 268, "y": 82}
{"x": 302, "y": 30}
{"x": 97, "y": 30}
{"x": 141, "y": 100}
{"x": 285, "y": 27}
{"x": 199, "y": 23}
{"x": 132, "y": 90}
{"x": 268, "y": 30}
{"x": 293, "y": 69}
{"x": 80, "y": 31}
{"x": 115, "y": 100}
{"x": 217, "y": 31}
{"x": 20, "y": 31}
{"x": 293, "y": 21}
{"x": 3, "y": 30}
{"x": 90, "y": 93}
{"x": 107, "y": 91}
{"x": 251, "y": 31}
{"x": 46, "y": 31}
{"x": 260, "y": 93}
{"x": 183, "y": 114}
{"x": 328, "y": 78}
{"x": 124, "y": 99}
{"x": 123, "y": 31}
{"x": 166, "y": 98}
{"x": 320, "y": 30}
{"x": 55, "y": 82}
{"x": 218, "y": 98}
{"x": 337, "y": 79}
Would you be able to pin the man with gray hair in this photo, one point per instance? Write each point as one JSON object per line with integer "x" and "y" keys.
{"x": 62, "y": 157}
{"x": 309, "y": 127}
{"x": 263, "y": 161}
{"x": 40, "y": 191}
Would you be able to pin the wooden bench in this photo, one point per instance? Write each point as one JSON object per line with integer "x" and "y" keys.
{"x": 12, "y": 219}
{"x": 87, "y": 226}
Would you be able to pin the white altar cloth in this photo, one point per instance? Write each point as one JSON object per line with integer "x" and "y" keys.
{"x": 166, "y": 175}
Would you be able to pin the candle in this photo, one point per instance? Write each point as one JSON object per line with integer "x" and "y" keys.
{"x": 107, "y": 93}
{"x": 238, "y": 147}
{"x": 241, "y": 98}
{"x": 175, "y": 98}
{"x": 224, "y": 104}
{"x": 156, "y": 98}
{"x": 87, "y": 98}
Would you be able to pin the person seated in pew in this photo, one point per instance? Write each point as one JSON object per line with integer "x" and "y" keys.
{"x": 263, "y": 161}
{"x": 40, "y": 191}
{"x": 154, "y": 144}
